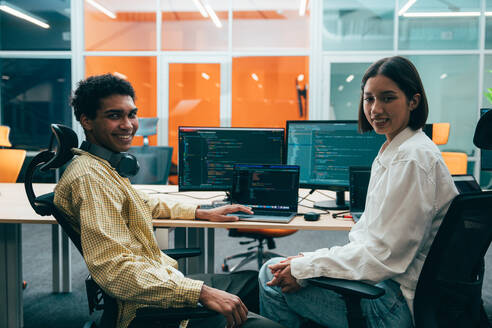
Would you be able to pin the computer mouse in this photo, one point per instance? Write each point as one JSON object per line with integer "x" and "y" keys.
{"x": 311, "y": 216}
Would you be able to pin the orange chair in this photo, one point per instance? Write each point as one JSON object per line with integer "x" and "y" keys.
{"x": 456, "y": 162}
{"x": 4, "y": 136}
{"x": 11, "y": 161}
{"x": 256, "y": 252}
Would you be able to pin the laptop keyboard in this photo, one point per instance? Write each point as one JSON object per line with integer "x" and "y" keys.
{"x": 269, "y": 213}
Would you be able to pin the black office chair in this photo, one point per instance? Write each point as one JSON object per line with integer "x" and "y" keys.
{"x": 97, "y": 298}
{"x": 155, "y": 161}
{"x": 448, "y": 292}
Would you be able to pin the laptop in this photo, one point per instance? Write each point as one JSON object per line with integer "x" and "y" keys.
{"x": 359, "y": 182}
{"x": 270, "y": 190}
{"x": 466, "y": 183}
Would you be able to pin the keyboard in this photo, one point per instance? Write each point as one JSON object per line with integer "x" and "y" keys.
{"x": 259, "y": 212}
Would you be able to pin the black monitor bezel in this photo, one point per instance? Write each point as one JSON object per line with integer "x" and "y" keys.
{"x": 221, "y": 128}
{"x": 314, "y": 185}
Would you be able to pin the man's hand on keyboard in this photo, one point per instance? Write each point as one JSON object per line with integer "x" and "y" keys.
{"x": 219, "y": 214}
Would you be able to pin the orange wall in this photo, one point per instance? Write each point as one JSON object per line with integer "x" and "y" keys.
{"x": 193, "y": 100}
{"x": 128, "y": 31}
{"x": 271, "y": 100}
{"x": 140, "y": 72}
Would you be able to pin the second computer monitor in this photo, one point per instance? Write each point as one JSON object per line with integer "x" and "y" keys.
{"x": 325, "y": 150}
{"x": 207, "y": 154}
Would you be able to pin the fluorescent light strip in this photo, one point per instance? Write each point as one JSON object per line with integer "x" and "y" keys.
{"x": 406, "y": 7}
{"x": 200, "y": 8}
{"x": 102, "y": 9}
{"x": 444, "y": 14}
{"x": 20, "y": 13}
{"x": 213, "y": 15}
{"x": 302, "y": 7}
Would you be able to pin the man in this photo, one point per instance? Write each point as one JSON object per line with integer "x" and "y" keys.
{"x": 115, "y": 220}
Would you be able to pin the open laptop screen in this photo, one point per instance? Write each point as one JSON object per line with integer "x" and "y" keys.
{"x": 266, "y": 187}
{"x": 466, "y": 183}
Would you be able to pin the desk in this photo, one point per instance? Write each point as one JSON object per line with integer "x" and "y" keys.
{"x": 16, "y": 210}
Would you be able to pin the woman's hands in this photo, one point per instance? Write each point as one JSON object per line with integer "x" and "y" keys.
{"x": 219, "y": 214}
{"x": 282, "y": 276}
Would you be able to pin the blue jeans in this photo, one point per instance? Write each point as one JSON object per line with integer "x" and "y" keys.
{"x": 327, "y": 308}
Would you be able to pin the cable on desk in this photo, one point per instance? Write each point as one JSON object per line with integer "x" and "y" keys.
{"x": 177, "y": 193}
{"x": 314, "y": 208}
{"x": 342, "y": 215}
{"x": 303, "y": 198}
{"x": 151, "y": 191}
{"x": 312, "y": 201}
{"x": 326, "y": 195}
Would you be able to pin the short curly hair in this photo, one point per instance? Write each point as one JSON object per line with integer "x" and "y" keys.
{"x": 89, "y": 93}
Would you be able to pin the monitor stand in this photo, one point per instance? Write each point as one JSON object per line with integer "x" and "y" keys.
{"x": 338, "y": 204}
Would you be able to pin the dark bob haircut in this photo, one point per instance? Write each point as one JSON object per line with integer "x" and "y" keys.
{"x": 401, "y": 71}
{"x": 89, "y": 93}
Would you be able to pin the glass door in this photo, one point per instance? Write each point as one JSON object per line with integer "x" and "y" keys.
{"x": 196, "y": 92}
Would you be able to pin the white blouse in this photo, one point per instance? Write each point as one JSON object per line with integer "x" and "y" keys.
{"x": 409, "y": 193}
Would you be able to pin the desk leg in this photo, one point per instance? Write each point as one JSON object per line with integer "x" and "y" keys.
{"x": 61, "y": 261}
{"x": 196, "y": 238}
{"x": 56, "y": 257}
{"x": 180, "y": 242}
{"x": 11, "y": 315}
{"x": 66, "y": 264}
{"x": 210, "y": 250}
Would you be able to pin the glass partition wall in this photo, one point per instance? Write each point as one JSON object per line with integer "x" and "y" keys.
{"x": 242, "y": 62}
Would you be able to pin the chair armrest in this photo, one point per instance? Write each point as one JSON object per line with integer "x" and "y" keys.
{"x": 172, "y": 314}
{"x": 178, "y": 253}
{"x": 350, "y": 288}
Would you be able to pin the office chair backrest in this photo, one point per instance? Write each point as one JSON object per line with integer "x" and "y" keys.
{"x": 440, "y": 133}
{"x": 155, "y": 163}
{"x": 483, "y": 132}
{"x": 4, "y": 136}
{"x": 11, "y": 161}
{"x": 147, "y": 126}
{"x": 448, "y": 292}
{"x": 456, "y": 162}
{"x": 51, "y": 160}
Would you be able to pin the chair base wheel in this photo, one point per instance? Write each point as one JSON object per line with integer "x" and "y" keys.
{"x": 225, "y": 268}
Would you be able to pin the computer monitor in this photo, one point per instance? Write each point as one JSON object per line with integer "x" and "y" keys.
{"x": 485, "y": 155}
{"x": 206, "y": 155}
{"x": 325, "y": 150}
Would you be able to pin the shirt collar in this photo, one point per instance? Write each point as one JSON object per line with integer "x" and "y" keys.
{"x": 387, "y": 155}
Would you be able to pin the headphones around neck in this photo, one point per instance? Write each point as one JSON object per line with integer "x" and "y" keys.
{"x": 124, "y": 163}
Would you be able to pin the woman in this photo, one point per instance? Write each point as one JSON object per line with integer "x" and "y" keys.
{"x": 409, "y": 192}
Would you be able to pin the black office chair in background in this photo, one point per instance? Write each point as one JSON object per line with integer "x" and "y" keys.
{"x": 449, "y": 289}
{"x": 155, "y": 161}
{"x": 97, "y": 298}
